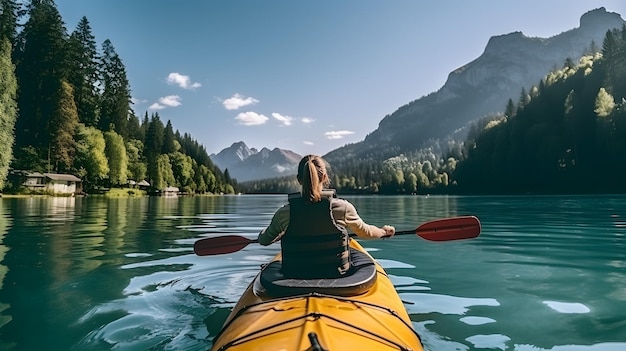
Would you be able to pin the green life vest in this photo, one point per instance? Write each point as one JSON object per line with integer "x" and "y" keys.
{"x": 314, "y": 245}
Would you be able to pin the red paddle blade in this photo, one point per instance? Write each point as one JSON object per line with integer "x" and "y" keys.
{"x": 220, "y": 245}
{"x": 446, "y": 229}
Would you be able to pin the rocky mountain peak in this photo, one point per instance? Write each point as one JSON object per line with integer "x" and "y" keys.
{"x": 599, "y": 17}
{"x": 245, "y": 164}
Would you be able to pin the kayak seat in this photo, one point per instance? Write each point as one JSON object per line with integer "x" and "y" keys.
{"x": 358, "y": 280}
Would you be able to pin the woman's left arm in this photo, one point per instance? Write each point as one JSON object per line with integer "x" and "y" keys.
{"x": 277, "y": 227}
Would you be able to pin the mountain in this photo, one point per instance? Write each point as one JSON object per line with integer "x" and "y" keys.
{"x": 245, "y": 164}
{"x": 232, "y": 155}
{"x": 510, "y": 63}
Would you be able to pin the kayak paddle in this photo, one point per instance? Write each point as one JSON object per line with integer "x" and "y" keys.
{"x": 445, "y": 229}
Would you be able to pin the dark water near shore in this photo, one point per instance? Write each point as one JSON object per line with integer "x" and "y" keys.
{"x": 547, "y": 273}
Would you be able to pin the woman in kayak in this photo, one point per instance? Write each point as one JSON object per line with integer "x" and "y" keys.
{"x": 312, "y": 227}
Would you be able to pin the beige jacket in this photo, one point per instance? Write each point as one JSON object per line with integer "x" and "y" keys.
{"x": 344, "y": 214}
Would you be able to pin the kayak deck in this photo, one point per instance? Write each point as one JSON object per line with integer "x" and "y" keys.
{"x": 370, "y": 320}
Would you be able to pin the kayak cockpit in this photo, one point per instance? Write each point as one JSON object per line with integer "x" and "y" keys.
{"x": 360, "y": 278}
{"x": 368, "y": 315}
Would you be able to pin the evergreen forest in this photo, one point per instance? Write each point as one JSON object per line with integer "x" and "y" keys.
{"x": 565, "y": 135}
{"x": 65, "y": 107}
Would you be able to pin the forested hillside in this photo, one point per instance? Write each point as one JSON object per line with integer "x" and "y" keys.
{"x": 568, "y": 135}
{"x": 69, "y": 103}
{"x": 508, "y": 63}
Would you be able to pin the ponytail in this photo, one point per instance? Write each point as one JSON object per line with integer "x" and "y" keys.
{"x": 313, "y": 177}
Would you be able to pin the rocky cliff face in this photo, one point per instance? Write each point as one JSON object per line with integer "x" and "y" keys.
{"x": 509, "y": 63}
{"x": 245, "y": 164}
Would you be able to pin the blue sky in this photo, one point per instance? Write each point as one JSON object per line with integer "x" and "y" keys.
{"x": 307, "y": 76}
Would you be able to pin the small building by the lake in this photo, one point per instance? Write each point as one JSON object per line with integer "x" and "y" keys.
{"x": 170, "y": 191}
{"x": 50, "y": 183}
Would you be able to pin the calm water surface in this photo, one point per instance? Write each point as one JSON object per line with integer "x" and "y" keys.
{"x": 547, "y": 273}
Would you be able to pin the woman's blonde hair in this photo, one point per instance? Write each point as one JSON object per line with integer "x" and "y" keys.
{"x": 313, "y": 177}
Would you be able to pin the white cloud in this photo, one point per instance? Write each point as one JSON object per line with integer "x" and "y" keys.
{"x": 170, "y": 100}
{"x": 285, "y": 120}
{"x": 182, "y": 81}
{"x": 165, "y": 102}
{"x": 337, "y": 134}
{"x": 307, "y": 120}
{"x": 237, "y": 101}
{"x": 156, "y": 106}
{"x": 306, "y": 142}
{"x": 251, "y": 118}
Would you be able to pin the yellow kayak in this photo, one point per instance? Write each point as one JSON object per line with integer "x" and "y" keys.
{"x": 360, "y": 312}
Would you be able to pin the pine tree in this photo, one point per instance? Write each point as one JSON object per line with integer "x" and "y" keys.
{"x": 63, "y": 128}
{"x": 144, "y": 127}
{"x": 609, "y": 45}
{"x": 8, "y": 108}
{"x": 41, "y": 66}
{"x": 115, "y": 104}
{"x": 134, "y": 128}
{"x": 154, "y": 136}
{"x": 168, "y": 139}
{"x": 10, "y": 13}
{"x": 83, "y": 74}
{"x": 524, "y": 100}
{"x": 152, "y": 149}
{"x": 510, "y": 109}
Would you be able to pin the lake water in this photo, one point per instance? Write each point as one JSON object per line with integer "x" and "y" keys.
{"x": 546, "y": 273}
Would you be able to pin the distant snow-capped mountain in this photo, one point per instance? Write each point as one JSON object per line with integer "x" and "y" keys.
{"x": 245, "y": 164}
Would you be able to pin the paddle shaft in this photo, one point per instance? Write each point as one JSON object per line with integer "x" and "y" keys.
{"x": 446, "y": 229}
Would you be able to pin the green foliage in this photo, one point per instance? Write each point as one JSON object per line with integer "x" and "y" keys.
{"x": 205, "y": 180}
{"x": 63, "y": 125}
{"x": 557, "y": 143}
{"x": 115, "y": 99}
{"x": 164, "y": 174}
{"x": 280, "y": 185}
{"x": 137, "y": 169}
{"x": 509, "y": 111}
{"x": 183, "y": 169}
{"x": 91, "y": 163}
{"x": 8, "y": 108}
{"x": 41, "y": 67}
{"x": 155, "y": 133}
{"x": 228, "y": 189}
{"x": 118, "y": 159}
{"x": 604, "y": 103}
{"x": 83, "y": 73}
{"x": 10, "y": 13}
{"x": 169, "y": 143}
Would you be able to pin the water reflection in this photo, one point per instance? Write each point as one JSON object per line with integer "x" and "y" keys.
{"x": 191, "y": 295}
{"x": 547, "y": 273}
{"x": 5, "y": 224}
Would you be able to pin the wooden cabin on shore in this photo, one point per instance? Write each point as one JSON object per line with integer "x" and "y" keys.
{"x": 47, "y": 183}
